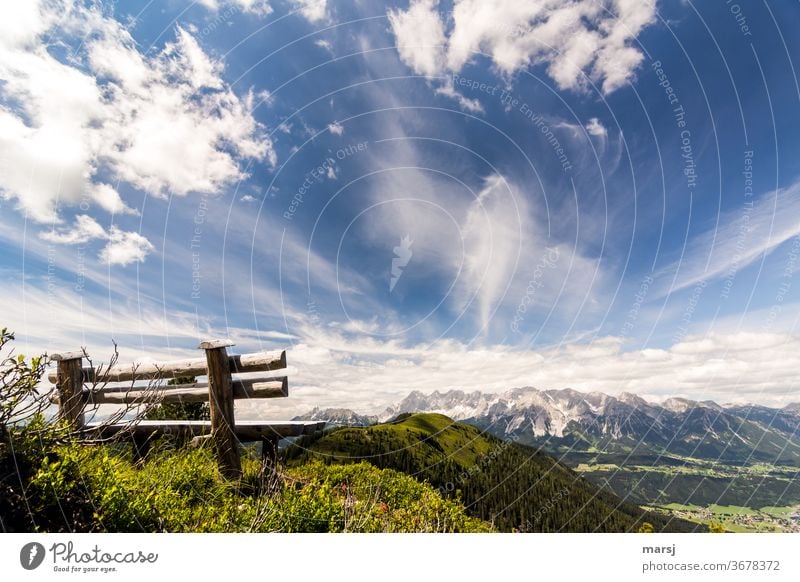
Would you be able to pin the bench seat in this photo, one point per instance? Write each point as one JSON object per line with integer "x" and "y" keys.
{"x": 246, "y": 430}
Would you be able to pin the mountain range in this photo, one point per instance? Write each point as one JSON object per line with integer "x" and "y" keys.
{"x": 572, "y": 422}
{"x": 679, "y": 451}
{"x": 338, "y": 417}
{"x": 568, "y": 421}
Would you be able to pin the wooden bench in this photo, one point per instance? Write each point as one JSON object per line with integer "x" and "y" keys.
{"x": 122, "y": 386}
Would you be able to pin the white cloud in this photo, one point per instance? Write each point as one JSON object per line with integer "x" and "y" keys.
{"x": 56, "y": 317}
{"x": 506, "y": 241}
{"x": 420, "y": 37}
{"x": 184, "y": 59}
{"x": 109, "y": 199}
{"x": 470, "y": 105}
{"x": 312, "y": 10}
{"x": 247, "y": 198}
{"x": 595, "y": 128}
{"x": 165, "y": 123}
{"x": 336, "y": 128}
{"x": 337, "y": 369}
{"x": 257, "y": 7}
{"x": 576, "y": 40}
{"x": 324, "y": 44}
{"x": 86, "y": 228}
{"x": 122, "y": 247}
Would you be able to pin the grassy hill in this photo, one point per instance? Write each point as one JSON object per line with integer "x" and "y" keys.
{"x": 509, "y": 485}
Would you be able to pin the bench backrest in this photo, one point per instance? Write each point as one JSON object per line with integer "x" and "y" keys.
{"x": 220, "y": 389}
{"x": 118, "y": 384}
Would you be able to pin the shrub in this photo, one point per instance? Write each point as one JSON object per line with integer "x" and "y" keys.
{"x": 715, "y": 527}
{"x": 24, "y": 435}
{"x": 362, "y": 498}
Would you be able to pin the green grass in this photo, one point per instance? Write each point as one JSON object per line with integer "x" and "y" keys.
{"x": 681, "y": 507}
{"x": 730, "y": 510}
{"x": 780, "y": 511}
{"x": 84, "y": 489}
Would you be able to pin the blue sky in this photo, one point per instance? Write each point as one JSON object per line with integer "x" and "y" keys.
{"x": 469, "y": 194}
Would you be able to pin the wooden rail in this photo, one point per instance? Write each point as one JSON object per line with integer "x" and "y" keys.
{"x": 220, "y": 390}
{"x": 258, "y": 362}
{"x": 253, "y": 430}
{"x": 182, "y": 393}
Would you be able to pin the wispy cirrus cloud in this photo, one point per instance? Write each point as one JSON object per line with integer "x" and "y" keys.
{"x": 743, "y": 236}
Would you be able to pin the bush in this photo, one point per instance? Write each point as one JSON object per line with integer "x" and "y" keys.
{"x": 24, "y": 434}
{"x": 362, "y": 498}
{"x": 172, "y": 491}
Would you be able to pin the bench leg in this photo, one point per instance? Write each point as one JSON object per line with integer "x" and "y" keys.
{"x": 269, "y": 462}
{"x": 141, "y": 446}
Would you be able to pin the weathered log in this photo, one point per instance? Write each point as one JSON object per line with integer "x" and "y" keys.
{"x": 220, "y": 399}
{"x": 217, "y": 343}
{"x": 256, "y": 362}
{"x": 246, "y": 430}
{"x": 277, "y": 387}
{"x": 70, "y": 387}
{"x": 67, "y": 356}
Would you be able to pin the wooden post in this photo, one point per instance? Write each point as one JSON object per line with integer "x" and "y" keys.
{"x": 70, "y": 388}
{"x": 220, "y": 399}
